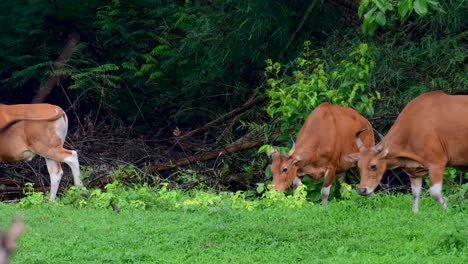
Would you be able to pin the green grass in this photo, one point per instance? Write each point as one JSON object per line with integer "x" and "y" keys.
{"x": 381, "y": 229}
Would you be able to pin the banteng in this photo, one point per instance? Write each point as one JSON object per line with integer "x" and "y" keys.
{"x": 325, "y": 139}
{"x": 429, "y": 134}
{"x": 38, "y": 129}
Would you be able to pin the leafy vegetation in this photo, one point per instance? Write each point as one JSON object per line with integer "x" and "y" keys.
{"x": 312, "y": 82}
{"x": 379, "y": 13}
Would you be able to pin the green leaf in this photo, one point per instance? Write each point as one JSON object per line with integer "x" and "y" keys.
{"x": 370, "y": 12}
{"x": 265, "y": 149}
{"x": 260, "y": 187}
{"x": 380, "y": 18}
{"x": 372, "y": 29}
{"x": 404, "y": 8}
{"x": 381, "y": 5}
{"x": 158, "y": 50}
{"x": 369, "y": 111}
{"x": 379, "y": 96}
{"x": 420, "y": 6}
{"x": 156, "y": 75}
{"x": 364, "y": 98}
{"x": 362, "y": 6}
{"x": 436, "y": 5}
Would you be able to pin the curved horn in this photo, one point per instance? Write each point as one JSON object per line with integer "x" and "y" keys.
{"x": 379, "y": 147}
{"x": 359, "y": 142}
{"x": 293, "y": 143}
{"x": 381, "y": 137}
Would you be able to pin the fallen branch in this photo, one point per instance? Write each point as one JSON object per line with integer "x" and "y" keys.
{"x": 209, "y": 155}
{"x": 227, "y": 116}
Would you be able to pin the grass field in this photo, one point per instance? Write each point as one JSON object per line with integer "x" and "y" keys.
{"x": 381, "y": 229}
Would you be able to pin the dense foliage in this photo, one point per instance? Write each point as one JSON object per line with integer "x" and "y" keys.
{"x": 312, "y": 82}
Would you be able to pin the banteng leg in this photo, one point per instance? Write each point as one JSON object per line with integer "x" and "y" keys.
{"x": 72, "y": 161}
{"x": 416, "y": 183}
{"x": 436, "y": 175}
{"x": 297, "y": 181}
{"x": 328, "y": 178}
{"x": 55, "y": 172}
{"x": 53, "y": 158}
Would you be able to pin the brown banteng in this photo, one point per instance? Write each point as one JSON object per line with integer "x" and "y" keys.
{"x": 325, "y": 139}
{"x": 38, "y": 129}
{"x": 8, "y": 239}
{"x": 429, "y": 134}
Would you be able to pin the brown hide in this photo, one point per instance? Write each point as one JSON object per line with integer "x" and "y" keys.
{"x": 38, "y": 126}
{"x": 326, "y": 137}
{"x": 429, "y": 134}
{"x": 27, "y": 130}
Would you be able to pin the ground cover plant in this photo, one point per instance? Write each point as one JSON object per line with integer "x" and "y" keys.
{"x": 169, "y": 226}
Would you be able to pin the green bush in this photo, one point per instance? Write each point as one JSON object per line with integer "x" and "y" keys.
{"x": 309, "y": 81}
{"x": 381, "y": 13}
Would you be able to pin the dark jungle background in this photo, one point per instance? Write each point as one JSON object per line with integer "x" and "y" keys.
{"x": 192, "y": 92}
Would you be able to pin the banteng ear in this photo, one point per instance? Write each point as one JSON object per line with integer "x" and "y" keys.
{"x": 379, "y": 147}
{"x": 352, "y": 157}
{"x": 298, "y": 158}
{"x": 383, "y": 153}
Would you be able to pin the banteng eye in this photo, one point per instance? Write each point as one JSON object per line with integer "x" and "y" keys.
{"x": 373, "y": 167}
{"x": 285, "y": 169}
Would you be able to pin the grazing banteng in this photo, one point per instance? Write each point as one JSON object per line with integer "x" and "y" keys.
{"x": 8, "y": 239}
{"x": 430, "y": 133}
{"x": 325, "y": 139}
{"x": 38, "y": 129}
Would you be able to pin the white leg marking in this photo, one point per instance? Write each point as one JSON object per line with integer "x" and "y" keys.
{"x": 74, "y": 164}
{"x": 416, "y": 190}
{"x": 325, "y": 192}
{"x": 55, "y": 172}
{"x": 436, "y": 193}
